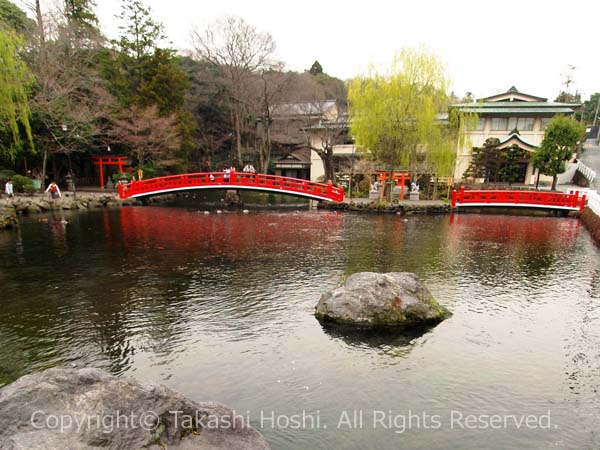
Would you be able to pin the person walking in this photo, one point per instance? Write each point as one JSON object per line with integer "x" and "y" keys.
{"x": 54, "y": 191}
{"x": 8, "y": 188}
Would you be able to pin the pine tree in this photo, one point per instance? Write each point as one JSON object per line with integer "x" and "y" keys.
{"x": 316, "y": 69}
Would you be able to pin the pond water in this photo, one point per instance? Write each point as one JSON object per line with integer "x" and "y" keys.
{"x": 220, "y": 307}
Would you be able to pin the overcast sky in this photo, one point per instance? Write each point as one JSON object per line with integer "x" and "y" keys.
{"x": 487, "y": 46}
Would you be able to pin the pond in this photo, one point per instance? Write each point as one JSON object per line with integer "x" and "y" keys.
{"x": 220, "y": 307}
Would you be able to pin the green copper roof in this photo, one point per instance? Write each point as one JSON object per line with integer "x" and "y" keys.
{"x": 518, "y": 108}
{"x": 515, "y": 104}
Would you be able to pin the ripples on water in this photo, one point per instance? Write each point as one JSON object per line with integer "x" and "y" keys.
{"x": 220, "y": 308}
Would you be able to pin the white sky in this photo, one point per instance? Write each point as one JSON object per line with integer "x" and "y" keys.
{"x": 487, "y": 46}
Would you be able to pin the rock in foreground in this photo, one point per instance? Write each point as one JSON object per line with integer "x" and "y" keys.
{"x": 368, "y": 299}
{"x": 88, "y": 409}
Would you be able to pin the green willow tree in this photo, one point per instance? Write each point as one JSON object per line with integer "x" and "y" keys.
{"x": 15, "y": 80}
{"x": 560, "y": 142}
{"x": 395, "y": 116}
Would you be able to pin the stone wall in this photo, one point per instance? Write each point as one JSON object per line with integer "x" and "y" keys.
{"x": 11, "y": 208}
{"x": 592, "y": 222}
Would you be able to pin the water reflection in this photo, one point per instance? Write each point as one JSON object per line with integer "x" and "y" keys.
{"x": 221, "y": 307}
{"x": 387, "y": 340}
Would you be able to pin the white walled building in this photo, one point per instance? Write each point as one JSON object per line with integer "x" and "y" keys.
{"x": 514, "y": 118}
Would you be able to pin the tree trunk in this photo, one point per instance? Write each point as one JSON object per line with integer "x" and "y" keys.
{"x": 40, "y": 21}
{"x": 391, "y": 184}
{"x": 328, "y": 166}
{"x": 537, "y": 180}
{"x": 238, "y": 135}
{"x": 44, "y": 160}
{"x": 268, "y": 145}
{"x": 554, "y": 179}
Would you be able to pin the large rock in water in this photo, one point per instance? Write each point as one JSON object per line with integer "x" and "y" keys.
{"x": 98, "y": 410}
{"x": 368, "y": 299}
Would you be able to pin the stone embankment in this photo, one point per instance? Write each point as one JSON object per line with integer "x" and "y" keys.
{"x": 592, "y": 223}
{"x": 403, "y": 207}
{"x": 11, "y": 208}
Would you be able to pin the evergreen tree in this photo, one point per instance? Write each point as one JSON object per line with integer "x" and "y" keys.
{"x": 14, "y": 17}
{"x": 560, "y": 142}
{"x": 138, "y": 41}
{"x": 512, "y": 157}
{"x": 316, "y": 69}
{"x": 82, "y": 12}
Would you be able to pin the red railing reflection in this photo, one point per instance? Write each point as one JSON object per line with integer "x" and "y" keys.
{"x": 231, "y": 235}
{"x": 236, "y": 180}
{"x": 514, "y": 230}
{"x": 526, "y": 199}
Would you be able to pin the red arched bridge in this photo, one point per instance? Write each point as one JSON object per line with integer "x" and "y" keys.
{"x": 523, "y": 199}
{"x": 236, "y": 180}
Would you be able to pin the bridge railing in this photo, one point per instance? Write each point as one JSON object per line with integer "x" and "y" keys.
{"x": 572, "y": 200}
{"x": 236, "y": 179}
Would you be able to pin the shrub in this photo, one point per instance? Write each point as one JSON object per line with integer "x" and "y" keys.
{"x": 116, "y": 177}
{"x": 19, "y": 183}
{"x": 5, "y": 174}
{"x": 30, "y": 189}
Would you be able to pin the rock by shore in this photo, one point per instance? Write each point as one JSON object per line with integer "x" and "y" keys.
{"x": 97, "y": 410}
{"x": 368, "y": 299}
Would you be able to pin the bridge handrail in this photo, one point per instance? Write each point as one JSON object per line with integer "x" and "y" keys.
{"x": 570, "y": 200}
{"x": 242, "y": 179}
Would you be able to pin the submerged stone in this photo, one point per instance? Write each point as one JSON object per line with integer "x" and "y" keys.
{"x": 368, "y": 299}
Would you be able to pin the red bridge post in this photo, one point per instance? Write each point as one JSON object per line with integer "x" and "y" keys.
{"x": 583, "y": 198}
{"x": 454, "y": 198}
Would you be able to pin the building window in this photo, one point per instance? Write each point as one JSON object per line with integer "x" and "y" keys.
{"x": 476, "y": 126}
{"x": 525, "y": 124}
{"x": 499, "y": 124}
{"x": 544, "y": 123}
{"x": 521, "y": 123}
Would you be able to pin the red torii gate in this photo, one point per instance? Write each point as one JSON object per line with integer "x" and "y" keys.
{"x": 102, "y": 161}
{"x": 399, "y": 177}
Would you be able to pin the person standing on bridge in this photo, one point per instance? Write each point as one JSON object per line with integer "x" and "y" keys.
{"x": 226, "y": 174}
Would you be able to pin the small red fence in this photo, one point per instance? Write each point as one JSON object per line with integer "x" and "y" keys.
{"x": 525, "y": 199}
{"x": 236, "y": 180}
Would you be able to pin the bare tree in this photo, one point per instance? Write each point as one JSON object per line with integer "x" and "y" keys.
{"x": 271, "y": 88}
{"x": 70, "y": 97}
{"x": 305, "y": 116}
{"x": 238, "y": 50}
{"x": 147, "y": 134}
{"x": 323, "y": 136}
